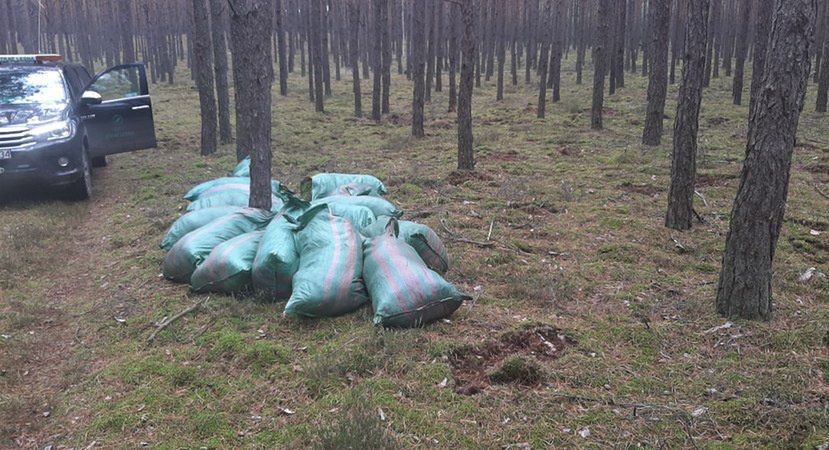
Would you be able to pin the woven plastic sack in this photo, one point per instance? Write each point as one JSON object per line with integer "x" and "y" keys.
{"x": 223, "y": 184}
{"x": 422, "y": 238}
{"x": 191, "y": 250}
{"x": 360, "y": 217}
{"x": 404, "y": 292}
{"x": 377, "y": 205}
{"x": 277, "y": 260}
{"x": 230, "y": 198}
{"x": 227, "y": 269}
{"x": 194, "y": 220}
{"x": 328, "y": 184}
{"x": 329, "y": 280}
{"x": 242, "y": 169}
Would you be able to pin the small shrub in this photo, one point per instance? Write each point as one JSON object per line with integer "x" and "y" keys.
{"x": 359, "y": 428}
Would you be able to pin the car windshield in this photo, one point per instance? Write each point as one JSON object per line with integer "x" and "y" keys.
{"x": 41, "y": 87}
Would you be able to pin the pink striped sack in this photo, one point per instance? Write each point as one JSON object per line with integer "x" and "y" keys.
{"x": 404, "y": 292}
{"x": 329, "y": 280}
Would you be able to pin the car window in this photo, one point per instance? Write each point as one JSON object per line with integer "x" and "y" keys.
{"x": 43, "y": 87}
{"x": 117, "y": 84}
{"x": 71, "y": 74}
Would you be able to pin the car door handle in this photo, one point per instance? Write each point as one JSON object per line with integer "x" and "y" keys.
{"x": 136, "y": 108}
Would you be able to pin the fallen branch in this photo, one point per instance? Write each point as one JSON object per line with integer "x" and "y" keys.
{"x": 183, "y": 313}
{"x": 697, "y": 215}
{"x": 820, "y": 192}
{"x": 470, "y": 241}
{"x": 489, "y": 235}
{"x": 704, "y": 201}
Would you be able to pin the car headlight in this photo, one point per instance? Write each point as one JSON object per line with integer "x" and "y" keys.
{"x": 54, "y": 131}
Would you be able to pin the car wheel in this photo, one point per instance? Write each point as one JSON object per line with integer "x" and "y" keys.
{"x": 82, "y": 188}
{"x": 99, "y": 161}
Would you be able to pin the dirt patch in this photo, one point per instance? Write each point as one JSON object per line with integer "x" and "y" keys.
{"x": 717, "y": 121}
{"x": 441, "y": 124}
{"x": 507, "y": 156}
{"x": 533, "y": 208}
{"x": 819, "y": 169}
{"x": 459, "y": 177}
{"x": 566, "y": 150}
{"x": 644, "y": 189}
{"x": 714, "y": 179}
{"x": 473, "y": 367}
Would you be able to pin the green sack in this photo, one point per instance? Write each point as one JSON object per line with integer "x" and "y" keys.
{"x": 328, "y": 184}
{"x": 277, "y": 260}
{"x": 360, "y": 217}
{"x": 227, "y": 268}
{"x": 377, "y": 205}
{"x": 424, "y": 240}
{"x": 329, "y": 280}
{"x": 224, "y": 184}
{"x": 194, "y": 220}
{"x": 183, "y": 258}
{"x": 230, "y": 198}
{"x": 242, "y": 169}
{"x": 404, "y": 292}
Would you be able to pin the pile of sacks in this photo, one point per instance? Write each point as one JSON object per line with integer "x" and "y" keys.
{"x": 329, "y": 251}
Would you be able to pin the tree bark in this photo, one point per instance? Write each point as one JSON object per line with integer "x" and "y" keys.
{"x": 466, "y": 157}
{"x": 453, "y": 55}
{"x": 684, "y": 163}
{"x": 250, "y": 33}
{"x": 219, "y": 27}
{"x": 823, "y": 82}
{"x": 500, "y": 6}
{"x": 280, "y": 44}
{"x": 741, "y": 51}
{"x": 354, "y": 52}
{"x": 543, "y": 61}
{"x": 660, "y": 11}
{"x": 600, "y": 62}
{"x": 316, "y": 36}
{"x": 203, "y": 65}
{"x": 377, "y": 59}
{"x": 418, "y": 69}
{"x": 744, "y": 288}
{"x": 762, "y": 26}
{"x": 386, "y": 54}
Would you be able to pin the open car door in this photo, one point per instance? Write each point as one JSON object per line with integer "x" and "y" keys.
{"x": 117, "y": 111}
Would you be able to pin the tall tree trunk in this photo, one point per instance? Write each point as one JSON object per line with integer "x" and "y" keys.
{"x": 660, "y": 11}
{"x": 419, "y": 44}
{"x": 742, "y": 50}
{"x": 762, "y": 26}
{"x": 250, "y": 33}
{"x": 466, "y": 157}
{"x": 556, "y": 49}
{"x": 543, "y": 64}
{"x": 823, "y": 81}
{"x": 127, "y": 34}
{"x": 744, "y": 288}
{"x": 280, "y": 44}
{"x": 454, "y": 29}
{"x": 500, "y": 6}
{"x": 600, "y": 62}
{"x": 386, "y": 54}
{"x": 377, "y": 59}
{"x": 218, "y": 10}
{"x": 714, "y": 19}
{"x": 203, "y": 59}
{"x": 316, "y": 36}
{"x": 684, "y": 162}
{"x": 532, "y": 20}
{"x": 354, "y": 52}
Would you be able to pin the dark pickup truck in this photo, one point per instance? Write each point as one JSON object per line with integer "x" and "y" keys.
{"x": 57, "y": 122}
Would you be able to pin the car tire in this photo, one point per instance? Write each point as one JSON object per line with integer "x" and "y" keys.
{"x": 99, "y": 161}
{"x": 82, "y": 188}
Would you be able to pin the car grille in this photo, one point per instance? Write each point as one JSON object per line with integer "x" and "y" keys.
{"x": 15, "y": 137}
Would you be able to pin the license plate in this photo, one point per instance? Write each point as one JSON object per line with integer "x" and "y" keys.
{"x": 5, "y": 154}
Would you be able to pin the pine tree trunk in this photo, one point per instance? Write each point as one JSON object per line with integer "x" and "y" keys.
{"x": 218, "y": 11}
{"x": 741, "y": 51}
{"x": 280, "y": 44}
{"x": 684, "y": 162}
{"x": 823, "y": 82}
{"x": 316, "y": 37}
{"x": 453, "y": 55}
{"x": 660, "y": 11}
{"x": 250, "y": 32}
{"x": 600, "y": 62}
{"x": 745, "y": 288}
{"x": 386, "y": 54}
{"x": 354, "y": 52}
{"x": 762, "y": 26}
{"x": 466, "y": 157}
{"x": 543, "y": 61}
{"x": 203, "y": 65}
{"x": 377, "y": 59}
{"x": 418, "y": 69}
{"x": 500, "y": 6}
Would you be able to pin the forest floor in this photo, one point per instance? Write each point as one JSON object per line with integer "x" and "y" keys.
{"x": 577, "y": 253}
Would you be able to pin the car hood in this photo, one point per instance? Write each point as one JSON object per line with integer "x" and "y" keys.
{"x": 31, "y": 114}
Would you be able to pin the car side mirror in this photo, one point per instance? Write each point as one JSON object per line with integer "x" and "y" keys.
{"x": 91, "y": 98}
